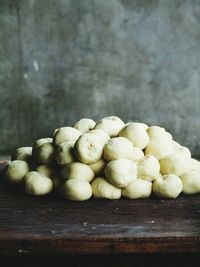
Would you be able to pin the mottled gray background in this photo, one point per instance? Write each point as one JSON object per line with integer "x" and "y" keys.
{"x": 67, "y": 59}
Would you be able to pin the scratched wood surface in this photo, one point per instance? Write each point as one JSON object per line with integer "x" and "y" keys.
{"x": 49, "y": 225}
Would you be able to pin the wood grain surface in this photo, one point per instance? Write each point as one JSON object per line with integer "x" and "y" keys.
{"x": 50, "y": 225}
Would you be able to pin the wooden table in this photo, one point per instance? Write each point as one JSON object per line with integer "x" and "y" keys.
{"x": 50, "y": 225}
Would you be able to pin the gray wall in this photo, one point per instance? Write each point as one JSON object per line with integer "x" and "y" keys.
{"x": 64, "y": 60}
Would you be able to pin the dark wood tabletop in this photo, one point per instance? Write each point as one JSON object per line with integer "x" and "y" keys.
{"x": 50, "y": 225}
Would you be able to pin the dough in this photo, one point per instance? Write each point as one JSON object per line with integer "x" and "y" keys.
{"x": 136, "y": 134}
{"x": 137, "y": 154}
{"x": 138, "y": 189}
{"x": 98, "y": 167}
{"x": 103, "y": 189}
{"x": 191, "y": 182}
{"x": 159, "y": 149}
{"x": 77, "y": 170}
{"x": 44, "y": 154}
{"x": 121, "y": 172}
{"x": 104, "y": 136}
{"x": 182, "y": 150}
{"x": 118, "y": 148}
{"x": 16, "y": 170}
{"x": 194, "y": 165}
{"x": 36, "y": 183}
{"x": 22, "y": 153}
{"x": 41, "y": 141}
{"x": 111, "y": 125}
{"x": 76, "y": 189}
{"x": 89, "y": 148}
{"x": 84, "y": 125}
{"x": 64, "y": 153}
{"x": 148, "y": 168}
{"x": 157, "y": 133}
{"x": 64, "y": 134}
{"x": 174, "y": 163}
{"x": 168, "y": 186}
{"x": 46, "y": 170}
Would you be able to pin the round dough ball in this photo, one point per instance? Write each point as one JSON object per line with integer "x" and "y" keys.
{"x": 157, "y": 133}
{"x": 137, "y": 154}
{"x": 168, "y": 186}
{"x": 194, "y": 165}
{"x": 76, "y": 189}
{"x": 159, "y": 149}
{"x": 64, "y": 153}
{"x": 174, "y": 163}
{"x": 89, "y": 148}
{"x": 64, "y": 134}
{"x": 104, "y": 136}
{"x": 103, "y": 189}
{"x": 191, "y": 182}
{"x": 141, "y": 124}
{"x": 46, "y": 170}
{"x": 16, "y": 170}
{"x": 44, "y": 154}
{"x": 136, "y": 134}
{"x": 118, "y": 148}
{"x": 22, "y": 153}
{"x": 111, "y": 125}
{"x": 77, "y": 170}
{"x": 182, "y": 150}
{"x": 41, "y": 141}
{"x": 148, "y": 168}
{"x": 37, "y": 184}
{"x": 121, "y": 172}
{"x": 98, "y": 167}
{"x": 138, "y": 189}
{"x": 84, "y": 125}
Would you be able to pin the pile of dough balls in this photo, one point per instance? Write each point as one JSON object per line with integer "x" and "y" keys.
{"x": 107, "y": 159}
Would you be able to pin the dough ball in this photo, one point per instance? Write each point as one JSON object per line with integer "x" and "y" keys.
{"x": 22, "y": 153}
{"x": 41, "y": 141}
{"x": 194, "y": 165}
{"x": 98, "y": 167}
{"x": 182, "y": 150}
{"x": 136, "y": 134}
{"x": 138, "y": 189}
{"x": 89, "y": 148}
{"x": 104, "y": 136}
{"x": 44, "y": 154}
{"x": 141, "y": 124}
{"x": 16, "y": 170}
{"x": 174, "y": 163}
{"x": 111, "y": 125}
{"x": 103, "y": 189}
{"x": 64, "y": 152}
{"x": 159, "y": 149}
{"x": 64, "y": 134}
{"x": 121, "y": 172}
{"x": 168, "y": 186}
{"x": 36, "y": 183}
{"x": 191, "y": 182}
{"x": 46, "y": 170}
{"x": 137, "y": 154}
{"x": 84, "y": 125}
{"x": 76, "y": 189}
{"x": 77, "y": 170}
{"x": 157, "y": 133}
{"x": 148, "y": 168}
{"x": 118, "y": 148}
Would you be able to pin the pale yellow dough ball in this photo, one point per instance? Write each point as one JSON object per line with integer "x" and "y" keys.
{"x": 16, "y": 170}
{"x": 148, "y": 168}
{"x": 111, "y": 125}
{"x": 22, "y": 153}
{"x": 159, "y": 149}
{"x": 138, "y": 189}
{"x": 98, "y": 167}
{"x": 191, "y": 182}
{"x": 104, "y": 136}
{"x": 64, "y": 134}
{"x": 84, "y": 125}
{"x": 64, "y": 152}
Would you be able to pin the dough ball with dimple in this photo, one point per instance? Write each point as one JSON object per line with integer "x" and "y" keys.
{"x": 64, "y": 152}
{"x": 191, "y": 182}
{"x": 118, "y": 148}
{"x": 104, "y": 136}
{"x": 103, "y": 189}
{"x": 136, "y": 134}
{"x": 89, "y": 148}
{"x": 98, "y": 167}
{"x": 138, "y": 189}
{"x": 22, "y": 153}
{"x": 84, "y": 125}
{"x": 77, "y": 170}
{"x": 159, "y": 149}
{"x": 167, "y": 186}
{"x": 137, "y": 154}
{"x": 121, "y": 172}
{"x": 174, "y": 163}
{"x": 37, "y": 184}
{"x": 157, "y": 133}
{"x": 194, "y": 165}
{"x": 182, "y": 150}
{"x": 111, "y": 125}
{"x": 46, "y": 170}
{"x": 44, "y": 154}
{"x": 16, "y": 170}
{"x": 64, "y": 134}
{"x": 148, "y": 168}
{"x": 76, "y": 189}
